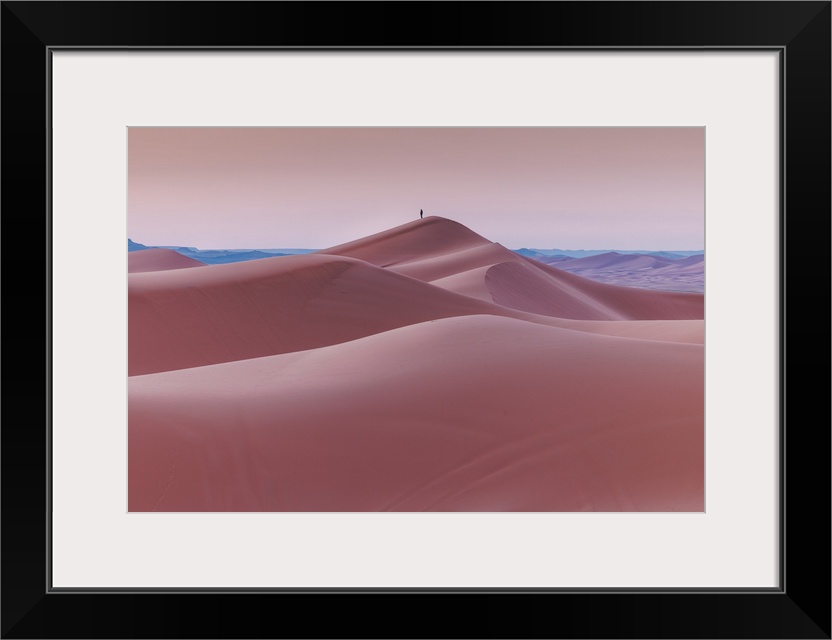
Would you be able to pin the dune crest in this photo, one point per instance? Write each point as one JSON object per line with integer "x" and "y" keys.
{"x": 415, "y": 240}
{"x": 439, "y": 251}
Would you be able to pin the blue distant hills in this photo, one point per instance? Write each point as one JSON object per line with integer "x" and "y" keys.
{"x": 135, "y": 246}
{"x": 224, "y": 256}
{"x": 585, "y": 253}
{"x": 220, "y": 256}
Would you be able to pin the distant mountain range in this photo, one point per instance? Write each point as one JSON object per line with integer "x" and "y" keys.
{"x": 651, "y": 270}
{"x": 220, "y": 256}
{"x": 593, "y": 263}
{"x": 135, "y": 246}
{"x": 585, "y": 253}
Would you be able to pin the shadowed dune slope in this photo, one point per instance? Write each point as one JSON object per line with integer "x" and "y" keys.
{"x": 195, "y": 317}
{"x": 452, "y": 263}
{"x": 159, "y": 260}
{"x": 451, "y": 256}
{"x": 694, "y": 259}
{"x": 489, "y": 414}
{"x": 543, "y": 289}
{"x": 191, "y": 318}
{"x": 468, "y": 283}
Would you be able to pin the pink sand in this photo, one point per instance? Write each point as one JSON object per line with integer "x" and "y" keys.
{"x": 159, "y": 260}
{"x": 463, "y": 414}
{"x": 421, "y": 369}
{"x": 222, "y": 313}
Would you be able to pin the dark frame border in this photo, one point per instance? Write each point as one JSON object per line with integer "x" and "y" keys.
{"x": 800, "y": 31}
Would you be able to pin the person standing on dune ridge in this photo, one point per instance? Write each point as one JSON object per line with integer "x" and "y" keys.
{"x": 421, "y": 214}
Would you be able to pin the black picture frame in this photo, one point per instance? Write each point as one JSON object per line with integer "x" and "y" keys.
{"x": 799, "y": 608}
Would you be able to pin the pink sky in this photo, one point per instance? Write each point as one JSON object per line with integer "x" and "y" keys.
{"x": 567, "y": 188}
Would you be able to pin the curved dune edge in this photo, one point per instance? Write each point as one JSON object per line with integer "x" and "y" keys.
{"x": 436, "y": 250}
{"x": 196, "y": 317}
{"x": 476, "y": 413}
{"x": 222, "y": 313}
{"x": 683, "y": 331}
{"x": 436, "y": 267}
{"x": 549, "y": 291}
{"x": 182, "y": 318}
{"x": 417, "y": 240}
{"x": 148, "y": 260}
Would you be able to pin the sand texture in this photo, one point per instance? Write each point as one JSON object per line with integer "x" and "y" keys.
{"x": 424, "y": 368}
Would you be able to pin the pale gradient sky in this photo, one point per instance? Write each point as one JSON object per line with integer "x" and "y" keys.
{"x": 570, "y": 188}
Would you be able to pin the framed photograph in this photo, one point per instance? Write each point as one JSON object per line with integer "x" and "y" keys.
{"x": 494, "y": 303}
{"x": 417, "y": 366}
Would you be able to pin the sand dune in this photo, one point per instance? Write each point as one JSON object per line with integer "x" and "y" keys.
{"x": 468, "y": 283}
{"x": 694, "y": 259}
{"x": 462, "y": 414}
{"x": 421, "y": 368}
{"x": 439, "y": 251}
{"x": 531, "y": 288}
{"x": 413, "y": 241}
{"x": 642, "y": 271}
{"x": 697, "y": 267}
{"x": 685, "y": 331}
{"x": 222, "y": 313}
{"x": 454, "y": 262}
{"x": 613, "y": 260}
{"x": 158, "y": 260}
{"x": 244, "y": 310}
{"x": 632, "y": 302}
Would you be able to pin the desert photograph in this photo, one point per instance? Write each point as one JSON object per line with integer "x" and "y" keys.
{"x": 416, "y": 319}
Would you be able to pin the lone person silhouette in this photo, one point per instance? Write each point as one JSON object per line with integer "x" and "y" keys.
{"x": 421, "y": 214}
